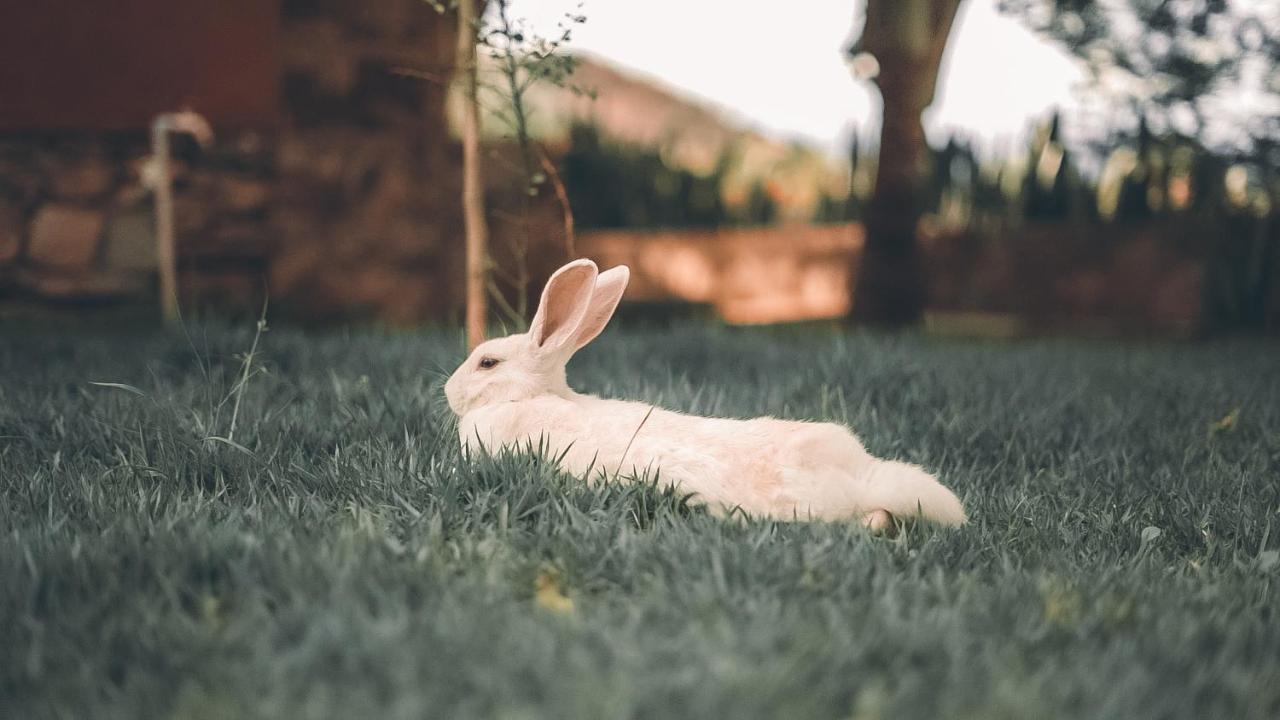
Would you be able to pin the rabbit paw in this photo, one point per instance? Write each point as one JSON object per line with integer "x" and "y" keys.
{"x": 880, "y": 522}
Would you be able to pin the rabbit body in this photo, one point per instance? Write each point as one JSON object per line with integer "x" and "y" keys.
{"x": 764, "y": 466}
{"x": 512, "y": 392}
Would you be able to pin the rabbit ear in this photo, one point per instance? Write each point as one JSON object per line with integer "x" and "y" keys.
{"x": 610, "y": 285}
{"x": 564, "y": 302}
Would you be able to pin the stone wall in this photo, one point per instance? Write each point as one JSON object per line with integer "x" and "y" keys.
{"x": 76, "y": 220}
{"x": 748, "y": 275}
{"x": 348, "y": 208}
{"x": 1117, "y": 281}
{"x": 1094, "y": 279}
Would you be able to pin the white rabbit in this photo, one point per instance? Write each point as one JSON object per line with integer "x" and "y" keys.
{"x": 512, "y": 391}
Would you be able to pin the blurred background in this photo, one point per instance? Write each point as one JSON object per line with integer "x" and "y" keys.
{"x": 972, "y": 166}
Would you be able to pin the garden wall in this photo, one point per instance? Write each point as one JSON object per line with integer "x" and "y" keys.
{"x": 1118, "y": 280}
{"x": 749, "y": 275}
{"x": 344, "y": 206}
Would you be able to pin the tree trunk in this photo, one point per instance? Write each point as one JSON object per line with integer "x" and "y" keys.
{"x": 889, "y": 290}
{"x": 477, "y": 231}
{"x": 907, "y": 38}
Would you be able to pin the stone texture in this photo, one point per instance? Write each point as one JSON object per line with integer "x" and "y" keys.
{"x": 226, "y": 289}
{"x": 349, "y": 204}
{"x": 386, "y": 19}
{"x": 130, "y": 196}
{"x": 11, "y": 231}
{"x": 292, "y": 270}
{"x": 405, "y": 240}
{"x": 191, "y": 216}
{"x": 65, "y": 236}
{"x": 20, "y": 178}
{"x": 83, "y": 284}
{"x": 318, "y": 49}
{"x": 87, "y": 179}
{"x": 131, "y": 242}
{"x": 230, "y": 241}
{"x": 244, "y": 195}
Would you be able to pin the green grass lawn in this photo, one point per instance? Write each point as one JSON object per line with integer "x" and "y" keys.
{"x": 344, "y": 561}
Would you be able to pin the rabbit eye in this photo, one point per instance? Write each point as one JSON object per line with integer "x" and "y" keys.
{"x": 487, "y": 362}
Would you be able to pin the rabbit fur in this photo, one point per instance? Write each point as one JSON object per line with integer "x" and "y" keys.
{"x": 512, "y": 391}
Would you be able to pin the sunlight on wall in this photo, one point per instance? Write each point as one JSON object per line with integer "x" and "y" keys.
{"x": 750, "y": 276}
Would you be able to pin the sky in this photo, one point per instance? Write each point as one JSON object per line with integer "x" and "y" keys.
{"x": 780, "y": 67}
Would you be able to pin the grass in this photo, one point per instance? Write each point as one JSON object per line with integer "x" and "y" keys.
{"x": 338, "y": 558}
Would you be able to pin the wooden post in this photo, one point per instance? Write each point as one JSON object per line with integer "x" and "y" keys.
{"x": 166, "y": 255}
{"x": 477, "y": 232}
{"x": 161, "y": 183}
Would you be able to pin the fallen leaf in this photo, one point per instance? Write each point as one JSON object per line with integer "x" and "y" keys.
{"x": 1226, "y": 424}
{"x": 548, "y": 593}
